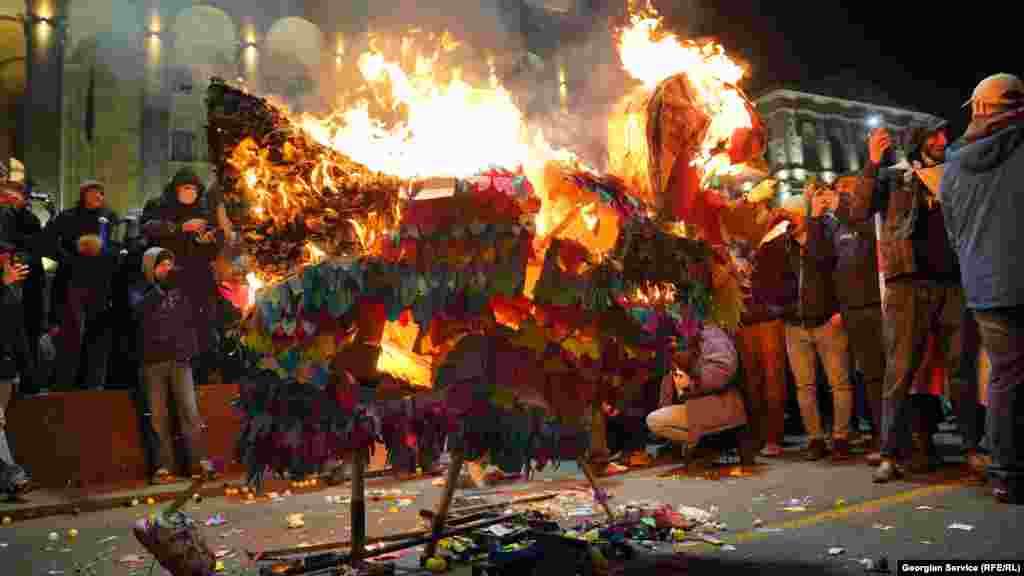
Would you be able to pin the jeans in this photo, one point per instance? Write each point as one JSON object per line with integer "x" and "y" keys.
{"x": 670, "y": 422}
{"x": 162, "y": 381}
{"x": 1003, "y": 339}
{"x": 831, "y": 343}
{"x": 913, "y": 310}
{"x": 969, "y": 413}
{"x": 864, "y": 327}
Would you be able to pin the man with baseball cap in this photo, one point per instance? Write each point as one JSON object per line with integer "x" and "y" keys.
{"x": 981, "y": 194}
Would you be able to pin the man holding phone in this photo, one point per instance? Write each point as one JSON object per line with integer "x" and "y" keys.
{"x": 923, "y": 294}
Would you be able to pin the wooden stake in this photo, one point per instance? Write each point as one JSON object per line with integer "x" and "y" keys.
{"x": 357, "y": 508}
{"x": 585, "y": 466}
{"x": 454, "y": 471}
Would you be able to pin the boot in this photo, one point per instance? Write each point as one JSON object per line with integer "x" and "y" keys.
{"x": 886, "y": 471}
{"x": 14, "y": 480}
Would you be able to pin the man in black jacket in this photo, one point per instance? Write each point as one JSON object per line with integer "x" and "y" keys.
{"x": 815, "y": 329}
{"x": 78, "y": 238}
{"x": 860, "y": 297}
{"x": 25, "y": 228}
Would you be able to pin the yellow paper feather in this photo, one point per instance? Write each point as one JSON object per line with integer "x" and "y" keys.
{"x": 763, "y": 192}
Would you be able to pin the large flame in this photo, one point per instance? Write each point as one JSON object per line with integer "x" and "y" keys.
{"x": 413, "y": 113}
{"x": 650, "y": 54}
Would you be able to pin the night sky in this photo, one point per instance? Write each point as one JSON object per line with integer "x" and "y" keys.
{"x": 918, "y": 55}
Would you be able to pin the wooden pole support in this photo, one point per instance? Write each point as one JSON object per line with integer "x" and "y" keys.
{"x": 585, "y": 466}
{"x": 358, "y": 505}
{"x": 437, "y": 527}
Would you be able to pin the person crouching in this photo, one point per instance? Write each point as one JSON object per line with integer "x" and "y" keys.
{"x": 167, "y": 343}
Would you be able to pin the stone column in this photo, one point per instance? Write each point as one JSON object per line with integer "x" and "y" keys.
{"x": 249, "y": 56}
{"x": 156, "y": 103}
{"x": 824, "y": 146}
{"x": 794, "y": 141}
{"x": 45, "y": 29}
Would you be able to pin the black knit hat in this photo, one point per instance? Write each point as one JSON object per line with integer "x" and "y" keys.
{"x": 186, "y": 176}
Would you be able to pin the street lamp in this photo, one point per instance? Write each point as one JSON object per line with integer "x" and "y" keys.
{"x": 874, "y": 121}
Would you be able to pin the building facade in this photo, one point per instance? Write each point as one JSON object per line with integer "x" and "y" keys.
{"x": 819, "y": 136}
{"x": 114, "y": 89}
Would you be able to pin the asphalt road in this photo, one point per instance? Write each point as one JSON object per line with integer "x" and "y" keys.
{"x": 783, "y": 515}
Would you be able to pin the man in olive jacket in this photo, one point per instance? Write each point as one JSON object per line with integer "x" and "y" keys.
{"x": 923, "y": 294}
{"x": 982, "y": 201}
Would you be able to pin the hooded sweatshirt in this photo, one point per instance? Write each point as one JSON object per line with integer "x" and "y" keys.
{"x": 162, "y": 222}
{"x": 982, "y": 195}
{"x": 164, "y": 316}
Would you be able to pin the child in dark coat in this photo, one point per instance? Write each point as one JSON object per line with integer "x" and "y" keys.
{"x": 167, "y": 344}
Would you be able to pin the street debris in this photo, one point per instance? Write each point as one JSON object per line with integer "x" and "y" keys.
{"x": 882, "y": 527}
{"x": 836, "y": 551}
{"x": 959, "y": 526}
{"x": 295, "y": 521}
{"x": 132, "y": 561}
{"x": 216, "y": 520}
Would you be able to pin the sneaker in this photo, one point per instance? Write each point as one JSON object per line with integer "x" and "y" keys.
{"x": 14, "y": 480}
{"x": 886, "y": 471}
{"x": 840, "y": 450}
{"x": 771, "y": 450}
{"x": 978, "y": 464}
{"x": 815, "y": 450}
{"x": 162, "y": 477}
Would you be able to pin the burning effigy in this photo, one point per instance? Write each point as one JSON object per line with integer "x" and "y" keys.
{"x": 504, "y": 275}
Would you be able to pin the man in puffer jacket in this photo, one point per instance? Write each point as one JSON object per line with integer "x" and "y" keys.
{"x": 183, "y": 222}
{"x": 982, "y": 201}
{"x": 922, "y": 283}
{"x": 167, "y": 342}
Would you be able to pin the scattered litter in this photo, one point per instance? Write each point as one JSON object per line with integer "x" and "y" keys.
{"x": 795, "y": 509}
{"x": 216, "y": 520}
{"x": 7, "y": 520}
{"x": 728, "y": 547}
{"x": 695, "y": 514}
{"x": 72, "y": 534}
{"x": 926, "y": 542}
{"x": 3, "y": 544}
{"x": 679, "y": 547}
{"x": 882, "y": 527}
{"x": 53, "y": 537}
{"x": 867, "y": 563}
{"x": 295, "y": 521}
{"x": 959, "y": 526}
{"x": 107, "y": 539}
{"x": 769, "y": 530}
{"x": 758, "y": 522}
{"x": 925, "y": 508}
{"x": 836, "y": 551}
{"x": 132, "y": 561}
{"x": 224, "y": 553}
{"x": 840, "y": 502}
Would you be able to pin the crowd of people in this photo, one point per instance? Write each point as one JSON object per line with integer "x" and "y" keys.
{"x": 152, "y": 298}
{"x": 897, "y": 281}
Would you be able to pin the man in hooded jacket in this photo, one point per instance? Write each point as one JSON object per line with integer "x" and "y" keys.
{"x": 184, "y": 222}
{"x": 923, "y": 294}
{"x": 982, "y": 204}
{"x": 78, "y": 239}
